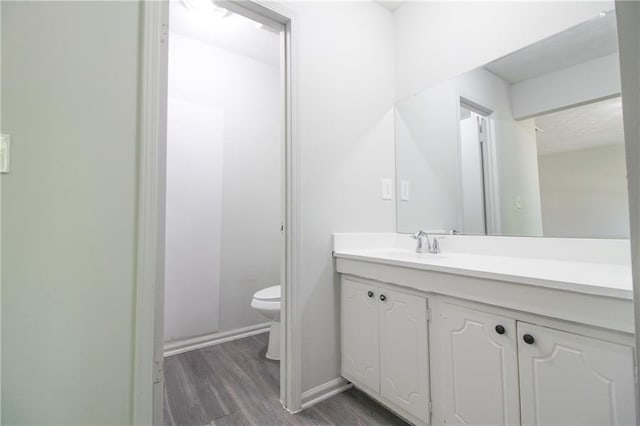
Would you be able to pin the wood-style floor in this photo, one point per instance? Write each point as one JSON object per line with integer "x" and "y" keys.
{"x": 234, "y": 384}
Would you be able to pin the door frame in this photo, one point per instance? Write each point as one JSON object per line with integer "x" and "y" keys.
{"x": 489, "y": 164}
{"x": 148, "y": 381}
{"x": 627, "y": 15}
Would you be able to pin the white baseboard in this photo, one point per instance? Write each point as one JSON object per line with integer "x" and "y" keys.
{"x": 180, "y": 346}
{"x": 324, "y": 391}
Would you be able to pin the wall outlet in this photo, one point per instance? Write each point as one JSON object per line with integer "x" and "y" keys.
{"x": 518, "y": 202}
{"x": 5, "y": 144}
{"x": 387, "y": 189}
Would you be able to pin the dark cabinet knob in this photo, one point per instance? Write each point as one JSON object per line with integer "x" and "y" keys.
{"x": 370, "y": 293}
{"x": 383, "y": 297}
{"x": 528, "y": 339}
{"x": 500, "y": 329}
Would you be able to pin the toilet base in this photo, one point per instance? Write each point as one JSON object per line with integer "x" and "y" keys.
{"x": 273, "y": 350}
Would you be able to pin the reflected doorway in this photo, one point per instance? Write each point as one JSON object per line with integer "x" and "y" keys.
{"x": 473, "y": 155}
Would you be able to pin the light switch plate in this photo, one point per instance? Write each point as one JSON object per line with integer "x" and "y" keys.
{"x": 5, "y": 153}
{"x": 404, "y": 190}
{"x": 387, "y": 189}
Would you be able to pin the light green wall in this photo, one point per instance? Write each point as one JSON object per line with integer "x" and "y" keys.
{"x": 69, "y": 94}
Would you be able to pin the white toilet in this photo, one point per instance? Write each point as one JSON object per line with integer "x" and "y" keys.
{"x": 267, "y": 302}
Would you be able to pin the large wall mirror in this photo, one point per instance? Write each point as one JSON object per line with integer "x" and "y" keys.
{"x": 530, "y": 144}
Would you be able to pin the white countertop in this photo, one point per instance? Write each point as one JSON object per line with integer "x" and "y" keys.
{"x": 610, "y": 280}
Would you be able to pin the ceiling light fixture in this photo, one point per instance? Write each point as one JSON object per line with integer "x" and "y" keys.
{"x": 207, "y": 8}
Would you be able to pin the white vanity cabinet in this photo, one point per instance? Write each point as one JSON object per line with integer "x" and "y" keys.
{"x": 499, "y": 371}
{"x": 478, "y": 367}
{"x": 385, "y": 346}
{"x": 570, "y": 379}
{"x": 360, "y": 334}
{"x": 496, "y": 349}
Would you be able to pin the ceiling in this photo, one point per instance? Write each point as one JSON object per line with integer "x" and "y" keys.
{"x": 391, "y": 5}
{"x": 232, "y": 32}
{"x": 589, "y": 40}
{"x": 587, "y": 126}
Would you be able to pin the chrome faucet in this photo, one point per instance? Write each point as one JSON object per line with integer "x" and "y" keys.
{"x": 424, "y": 243}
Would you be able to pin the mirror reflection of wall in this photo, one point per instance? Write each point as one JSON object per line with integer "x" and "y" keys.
{"x": 582, "y": 171}
{"x": 475, "y": 151}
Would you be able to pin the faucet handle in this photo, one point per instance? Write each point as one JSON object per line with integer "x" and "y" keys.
{"x": 435, "y": 246}
{"x": 418, "y": 234}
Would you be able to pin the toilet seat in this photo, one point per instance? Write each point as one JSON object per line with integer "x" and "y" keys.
{"x": 268, "y": 300}
{"x": 269, "y": 294}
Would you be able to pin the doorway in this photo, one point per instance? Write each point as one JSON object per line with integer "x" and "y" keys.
{"x": 148, "y": 380}
{"x": 224, "y": 174}
{"x": 475, "y": 169}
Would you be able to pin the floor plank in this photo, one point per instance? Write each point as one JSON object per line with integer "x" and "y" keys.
{"x": 234, "y": 384}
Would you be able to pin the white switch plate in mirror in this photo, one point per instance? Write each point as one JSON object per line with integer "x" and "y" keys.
{"x": 387, "y": 185}
{"x": 4, "y": 153}
{"x": 404, "y": 190}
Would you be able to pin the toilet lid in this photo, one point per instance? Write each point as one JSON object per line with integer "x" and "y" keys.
{"x": 269, "y": 293}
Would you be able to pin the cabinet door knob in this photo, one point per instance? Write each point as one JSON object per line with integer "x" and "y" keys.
{"x": 528, "y": 339}
{"x": 383, "y": 297}
{"x": 370, "y": 293}
{"x": 500, "y": 329}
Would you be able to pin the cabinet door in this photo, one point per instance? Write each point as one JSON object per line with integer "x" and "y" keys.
{"x": 360, "y": 335}
{"x": 569, "y": 379}
{"x": 404, "y": 363}
{"x": 479, "y": 367}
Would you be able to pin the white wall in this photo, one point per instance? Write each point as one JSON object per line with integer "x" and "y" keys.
{"x": 520, "y": 213}
{"x": 195, "y": 138}
{"x": 346, "y": 98}
{"x": 69, "y": 98}
{"x": 586, "y": 82}
{"x": 584, "y": 193}
{"x": 428, "y": 155}
{"x": 241, "y": 97}
{"x": 252, "y": 203}
{"x": 437, "y": 40}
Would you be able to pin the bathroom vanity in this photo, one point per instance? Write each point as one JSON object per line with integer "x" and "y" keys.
{"x": 467, "y": 337}
{"x": 503, "y": 330}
